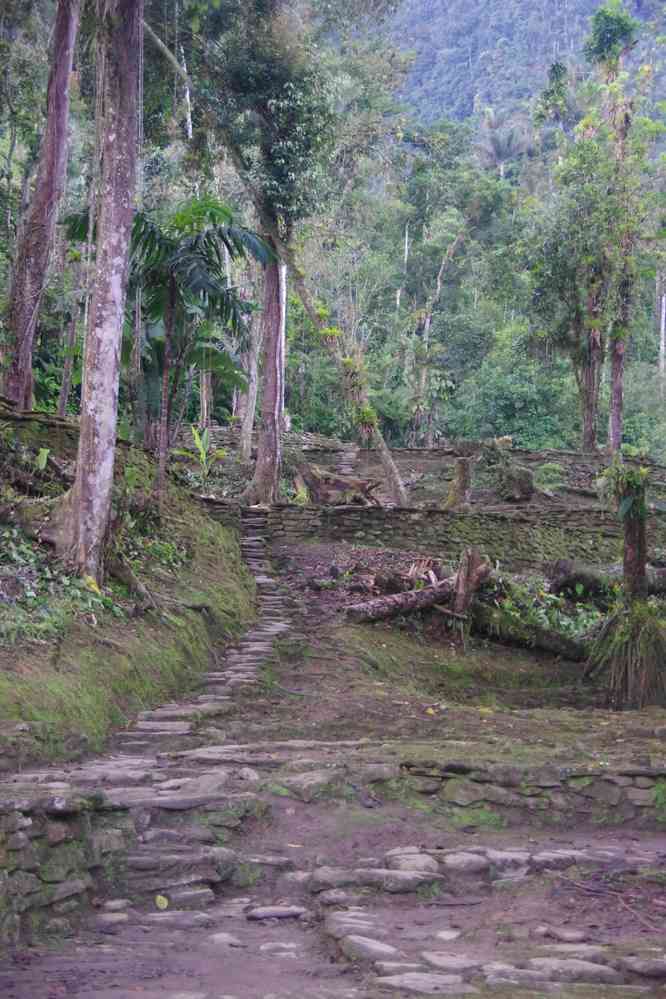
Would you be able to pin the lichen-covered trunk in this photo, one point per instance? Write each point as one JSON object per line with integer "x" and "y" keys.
{"x": 264, "y": 486}
{"x": 38, "y": 228}
{"x": 90, "y": 503}
{"x": 248, "y": 401}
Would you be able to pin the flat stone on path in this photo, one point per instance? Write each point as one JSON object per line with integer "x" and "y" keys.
{"x": 573, "y": 970}
{"x": 424, "y": 984}
{"x": 310, "y": 785}
{"x": 358, "y": 948}
{"x": 178, "y": 919}
{"x": 412, "y": 862}
{"x": 396, "y": 967}
{"x": 277, "y": 912}
{"x": 324, "y": 878}
{"x": 336, "y": 896}
{"x": 466, "y": 863}
{"x": 342, "y": 924}
{"x": 448, "y": 936}
{"x": 451, "y": 963}
{"x": 586, "y": 952}
{"x": 225, "y": 940}
{"x": 649, "y": 967}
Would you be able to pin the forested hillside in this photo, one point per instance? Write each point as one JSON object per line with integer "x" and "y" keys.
{"x": 300, "y": 249}
{"x": 471, "y": 54}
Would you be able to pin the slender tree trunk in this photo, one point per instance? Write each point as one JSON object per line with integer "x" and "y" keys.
{"x": 618, "y": 349}
{"x": 165, "y": 406}
{"x": 70, "y": 348}
{"x": 285, "y": 422}
{"x": 37, "y": 232}
{"x": 177, "y": 424}
{"x": 617, "y": 395}
{"x": 205, "y": 399}
{"x": 420, "y": 417}
{"x": 136, "y": 381}
{"x": 250, "y": 397}
{"x": 264, "y": 485}
{"x": 90, "y": 502}
{"x": 661, "y": 307}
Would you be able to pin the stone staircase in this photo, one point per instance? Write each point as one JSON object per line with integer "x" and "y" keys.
{"x": 195, "y": 866}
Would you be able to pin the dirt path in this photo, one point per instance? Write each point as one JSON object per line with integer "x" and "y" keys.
{"x": 280, "y": 867}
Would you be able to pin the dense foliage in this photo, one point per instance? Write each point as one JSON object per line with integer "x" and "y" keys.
{"x": 440, "y": 212}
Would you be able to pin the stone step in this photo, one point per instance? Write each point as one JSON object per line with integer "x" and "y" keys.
{"x": 144, "y": 797}
{"x": 163, "y": 727}
{"x": 205, "y": 708}
{"x": 178, "y": 919}
{"x": 195, "y": 896}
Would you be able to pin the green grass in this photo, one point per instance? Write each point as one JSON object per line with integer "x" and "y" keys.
{"x": 87, "y": 676}
{"x": 418, "y": 665}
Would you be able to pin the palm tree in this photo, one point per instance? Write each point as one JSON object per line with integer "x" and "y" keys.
{"x": 179, "y": 265}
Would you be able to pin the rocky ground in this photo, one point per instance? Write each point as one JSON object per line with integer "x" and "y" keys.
{"x": 309, "y": 828}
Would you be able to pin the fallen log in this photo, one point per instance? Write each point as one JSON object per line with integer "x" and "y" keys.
{"x": 459, "y": 588}
{"x": 384, "y": 608}
{"x": 487, "y": 619}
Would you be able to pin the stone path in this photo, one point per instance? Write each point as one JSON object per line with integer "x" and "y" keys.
{"x": 215, "y": 899}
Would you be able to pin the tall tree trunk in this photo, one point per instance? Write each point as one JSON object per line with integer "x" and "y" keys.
{"x": 37, "y": 231}
{"x": 264, "y": 486}
{"x": 70, "y": 348}
{"x": 90, "y": 502}
{"x": 588, "y": 376}
{"x": 249, "y": 399}
{"x": 165, "y": 405}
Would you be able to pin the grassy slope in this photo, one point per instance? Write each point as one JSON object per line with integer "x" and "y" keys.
{"x": 77, "y": 671}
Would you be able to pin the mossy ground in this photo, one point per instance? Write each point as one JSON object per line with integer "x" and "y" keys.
{"x": 422, "y": 699}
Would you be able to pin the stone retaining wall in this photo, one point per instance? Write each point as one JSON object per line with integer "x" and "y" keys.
{"x": 515, "y": 539}
{"x": 500, "y": 794}
{"x": 56, "y": 852}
